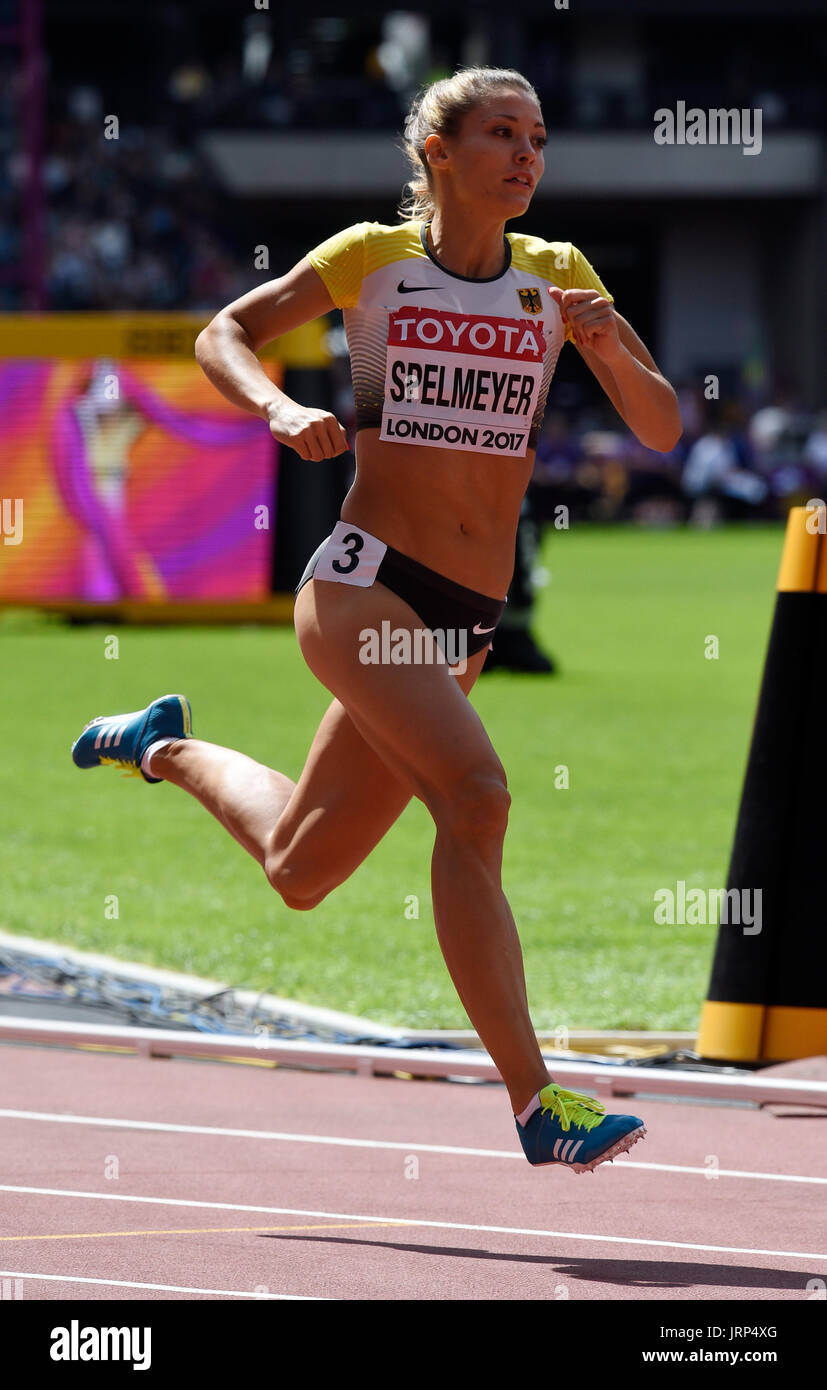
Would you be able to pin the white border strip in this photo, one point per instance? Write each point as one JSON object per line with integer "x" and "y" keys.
{"x": 431, "y": 1225}
{"x": 607, "y": 1079}
{"x": 601, "y": 1036}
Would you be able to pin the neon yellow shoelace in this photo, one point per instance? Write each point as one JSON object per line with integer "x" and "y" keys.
{"x": 132, "y": 770}
{"x": 572, "y": 1107}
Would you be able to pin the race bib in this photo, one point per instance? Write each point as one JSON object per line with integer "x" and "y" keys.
{"x": 351, "y": 556}
{"x": 462, "y": 381}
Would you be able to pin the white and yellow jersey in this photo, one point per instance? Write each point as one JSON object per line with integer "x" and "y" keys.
{"x": 441, "y": 360}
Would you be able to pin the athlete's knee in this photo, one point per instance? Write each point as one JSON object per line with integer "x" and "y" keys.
{"x": 475, "y": 806}
{"x": 301, "y": 891}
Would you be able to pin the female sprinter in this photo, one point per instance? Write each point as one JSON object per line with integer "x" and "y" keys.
{"x": 454, "y": 330}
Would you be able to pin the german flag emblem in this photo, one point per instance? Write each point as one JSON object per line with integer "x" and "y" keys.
{"x": 530, "y": 301}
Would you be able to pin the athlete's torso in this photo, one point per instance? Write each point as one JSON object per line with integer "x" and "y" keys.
{"x": 450, "y": 379}
{"x": 456, "y": 515}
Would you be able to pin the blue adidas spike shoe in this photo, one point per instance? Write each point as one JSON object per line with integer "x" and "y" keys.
{"x": 573, "y": 1130}
{"x": 120, "y": 740}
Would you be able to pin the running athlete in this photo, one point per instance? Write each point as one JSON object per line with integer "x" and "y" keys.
{"x": 454, "y": 329}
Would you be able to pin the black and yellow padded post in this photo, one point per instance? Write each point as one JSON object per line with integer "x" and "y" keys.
{"x": 767, "y": 997}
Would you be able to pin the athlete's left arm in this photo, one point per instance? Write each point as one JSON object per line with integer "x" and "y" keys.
{"x": 625, "y": 368}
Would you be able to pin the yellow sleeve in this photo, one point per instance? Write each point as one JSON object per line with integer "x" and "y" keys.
{"x": 584, "y": 277}
{"x": 340, "y": 263}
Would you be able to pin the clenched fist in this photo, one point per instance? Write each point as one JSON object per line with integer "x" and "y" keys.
{"x": 312, "y": 434}
{"x": 592, "y": 320}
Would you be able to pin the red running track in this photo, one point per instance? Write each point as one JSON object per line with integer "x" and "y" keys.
{"x": 346, "y": 1187}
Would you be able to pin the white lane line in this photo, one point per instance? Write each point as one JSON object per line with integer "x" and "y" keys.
{"x": 166, "y": 1288}
{"x": 411, "y": 1147}
{"x": 408, "y": 1221}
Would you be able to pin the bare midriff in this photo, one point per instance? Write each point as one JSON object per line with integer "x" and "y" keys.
{"x": 451, "y": 510}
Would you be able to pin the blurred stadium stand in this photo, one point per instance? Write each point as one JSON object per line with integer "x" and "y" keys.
{"x": 274, "y": 127}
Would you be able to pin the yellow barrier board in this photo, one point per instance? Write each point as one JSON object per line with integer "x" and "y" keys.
{"x": 800, "y": 557}
{"x": 274, "y": 611}
{"x": 73, "y": 336}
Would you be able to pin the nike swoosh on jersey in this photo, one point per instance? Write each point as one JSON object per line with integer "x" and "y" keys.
{"x": 476, "y": 628}
{"x": 402, "y": 288}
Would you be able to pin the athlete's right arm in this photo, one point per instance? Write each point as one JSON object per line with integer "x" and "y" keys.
{"x": 226, "y": 351}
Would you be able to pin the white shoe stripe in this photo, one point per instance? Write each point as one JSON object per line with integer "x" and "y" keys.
{"x": 120, "y": 734}
{"x": 574, "y": 1150}
{"x": 564, "y": 1153}
{"x": 556, "y": 1149}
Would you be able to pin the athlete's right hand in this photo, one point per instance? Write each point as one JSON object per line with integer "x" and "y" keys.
{"x": 313, "y": 434}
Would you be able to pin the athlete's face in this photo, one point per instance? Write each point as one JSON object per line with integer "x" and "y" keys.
{"x": 496, "y": 158}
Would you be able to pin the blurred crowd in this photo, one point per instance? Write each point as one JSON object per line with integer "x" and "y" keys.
{"x": 735, "y": 460}
{"x": 133, "y": 222}
{"x": 136, "y": 221}
{"x": 339, "y": 73}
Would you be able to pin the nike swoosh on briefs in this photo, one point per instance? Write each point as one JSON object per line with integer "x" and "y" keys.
{"x": 402, "y": 288}
{"x": 476, "y": 628}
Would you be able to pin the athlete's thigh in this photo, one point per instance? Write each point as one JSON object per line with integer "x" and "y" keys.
{"x": 345, "y": 800}
{"x": 415, "y": 717}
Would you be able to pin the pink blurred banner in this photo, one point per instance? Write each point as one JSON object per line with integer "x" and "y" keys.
{"x": 131, "y": 479}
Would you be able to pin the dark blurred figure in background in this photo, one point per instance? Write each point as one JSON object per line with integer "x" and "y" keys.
{"x": 719, "y": 475}
{"x": 514, "y": 648}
